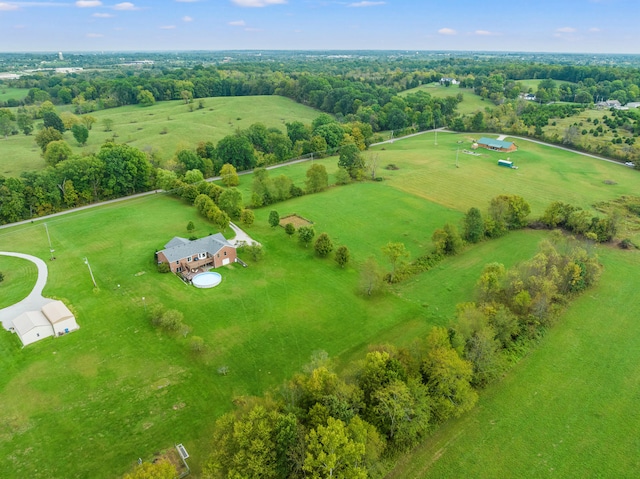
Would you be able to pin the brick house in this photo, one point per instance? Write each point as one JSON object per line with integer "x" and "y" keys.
{"x": 184, "y": 256}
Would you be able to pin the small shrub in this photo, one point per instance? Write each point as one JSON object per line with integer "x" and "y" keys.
{"x": 1, "y": 277}
{"x": 164, "y": 268}
{"x": 391, "y": 166}
{"x": 196, "y": 344}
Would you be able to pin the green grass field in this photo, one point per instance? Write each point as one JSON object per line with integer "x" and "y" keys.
{"x": 118, "y": 389}
{"x": 533, "y": 83}
{"x": 569, "y": 409}
{"x": 7, "y": 93}
{"x": 19, "y": 278}
{"x": 145, "y": 127}
{"x": 470, "y": 103}
{"x": 545, "y": 174}
{"x": 123, "y": 390}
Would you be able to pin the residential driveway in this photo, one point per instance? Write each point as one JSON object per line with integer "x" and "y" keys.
{"x": 35, "y": 301}
{"x": 241, "y": 238}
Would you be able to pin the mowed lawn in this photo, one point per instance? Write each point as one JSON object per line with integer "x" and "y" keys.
{"x": 163, "y": 128}
{"x": 470, "y": 103}
{"x": 545, "y": 174}
{"x": 118, "y": 389}
{"x": 569, "y": 409}
{"x": 19, "y": 278}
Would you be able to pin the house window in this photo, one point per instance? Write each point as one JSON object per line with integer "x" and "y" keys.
{"x": 188, "y": 259}
{"x": 179, "y": 270}
{"x": 202, "y": 255}
{"x": 225, "y": 253}
{"x": 178, "y": 262}
{"x": 218, "y": 255}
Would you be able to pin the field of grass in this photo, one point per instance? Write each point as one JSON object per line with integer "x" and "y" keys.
{"x": 569, "y": 409}
{"x": 533, "y": 83}
{"x": 588, "y": 140}
{"x": 124, "y": 390}
{"x": 19, "y": 278}
{"x": 545, "y": 174}
{"x": 163, "y": 127}
{"x": 7, "y": 93}
{"x": 118, "y": 389}
{"x": 470, "y": 103}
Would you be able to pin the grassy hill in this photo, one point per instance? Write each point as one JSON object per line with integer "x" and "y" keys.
{"x": 470, "y": 103}
{"x": 163, "y": 127}
{"x": 567, "y": 410}
{"x": 118, "y": 389}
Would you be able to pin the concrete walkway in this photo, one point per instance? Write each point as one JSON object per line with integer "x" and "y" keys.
{"x": 241, "y": 238}
{"x": 34, "y": 301}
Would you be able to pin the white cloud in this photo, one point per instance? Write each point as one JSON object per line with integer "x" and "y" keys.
{"x": 249, "y": 29}
{"x": 7, "y": 7}
{"x": 125, "y": 6}
{"x": 566, "y": 30}
{"x": 447, "y": 31}
{"x": 237, "y": 23}
{"x": 258, "y": 3}
{"x": 484, "y": 32}
{"x": 366, "y": 4}
{"x": 88, "y": 3}
{"x": 595, "y": 30}
{"x": 187, "y": 18}
{"x": 102, "y": 15}
{"x": 95, "y": 35}
{"x": 167, "y": 27}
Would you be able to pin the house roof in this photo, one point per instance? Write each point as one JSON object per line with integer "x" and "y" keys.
{"x": 56, "y": 311}
{"x": 28, "y": 321}
{"x": 495, "y": 143}
{"x": 180, "y": 248}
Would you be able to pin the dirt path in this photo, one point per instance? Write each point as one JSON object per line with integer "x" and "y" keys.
{"x": 34, "y": 301}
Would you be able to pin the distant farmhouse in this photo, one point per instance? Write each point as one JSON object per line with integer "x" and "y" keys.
{"x": 55, "y": 319}
{"x": 186, "y": 256}
{"x": 448, "y": 81}
{"x": 611, "y": 104}
{"x": 528, "y": 96}
{"x": 497, "y": 145}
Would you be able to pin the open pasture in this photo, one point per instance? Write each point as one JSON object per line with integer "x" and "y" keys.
{"x": 8, "y": 93}
{"x": 470, "y": 103}
{"x": 545, "y": 174}
{"x": 532, "y": 83}
{"x": 124, "y": 390}
{"x": 163, "y": 127}
{"x": 569, "y": 409}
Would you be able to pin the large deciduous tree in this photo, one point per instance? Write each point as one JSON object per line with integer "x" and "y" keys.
{"x": 238, "y": 151}
{"x": 351, "y": 160}
{"x": 56, "y": 152}
{"x": 46, "y": 136}
{"x": 317, "y": 178}
{"x": 229, "y": 175}
{"x": 127, "y": 170}
{"x": 80, "y": 133}
{"x": 52, "y": 120}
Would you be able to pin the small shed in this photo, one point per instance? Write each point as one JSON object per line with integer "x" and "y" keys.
{"x": 60, "y": 317}
{"x": 497, "y": 145}
{"x": 32, "y": 326}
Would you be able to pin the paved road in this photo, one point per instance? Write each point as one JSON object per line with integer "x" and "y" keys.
{"x": 34, "y": 301}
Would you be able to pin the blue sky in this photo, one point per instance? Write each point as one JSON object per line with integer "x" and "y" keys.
{"x": 585, "y": 26}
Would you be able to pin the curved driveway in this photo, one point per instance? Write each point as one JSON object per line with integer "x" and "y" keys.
{"x": 34, "y": 301}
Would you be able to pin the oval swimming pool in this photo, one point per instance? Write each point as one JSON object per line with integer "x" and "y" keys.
{"x": 206, "y": 280}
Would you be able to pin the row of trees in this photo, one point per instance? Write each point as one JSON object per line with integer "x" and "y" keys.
{"x": 115, "y": 171}
{"x": 324, "y": 424}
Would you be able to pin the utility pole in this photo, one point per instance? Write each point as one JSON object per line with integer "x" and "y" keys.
{"x": 49, "y": 238}
{"x": 86, "y": 261}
